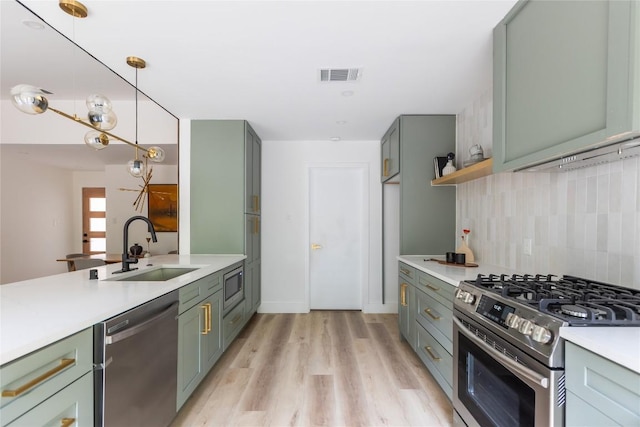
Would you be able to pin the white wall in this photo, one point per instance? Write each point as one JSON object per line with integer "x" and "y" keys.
{"x": 36, "y": 218}
{"x": 284, "y": 222}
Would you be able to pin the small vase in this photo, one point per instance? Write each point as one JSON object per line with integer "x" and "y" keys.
{"x": 136, "y": 249}
{"x": 449, "y": 168}
{"x": 464, "y": 249}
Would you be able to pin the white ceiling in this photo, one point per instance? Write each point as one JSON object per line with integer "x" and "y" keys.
{"x": 260, "y": 60}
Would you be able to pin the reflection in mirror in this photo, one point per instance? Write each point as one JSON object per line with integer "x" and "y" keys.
{"x": 45, "y": 163}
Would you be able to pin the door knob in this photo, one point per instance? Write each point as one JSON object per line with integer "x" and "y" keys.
{"x": 315, "y": 246}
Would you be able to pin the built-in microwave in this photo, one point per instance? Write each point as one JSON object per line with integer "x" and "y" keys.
{"x": 233, "y": 287}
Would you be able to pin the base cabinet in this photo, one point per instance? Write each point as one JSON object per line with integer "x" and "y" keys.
{"x": 425, "y": 318}
{"x": 199, "y": 343}
{"x": 599, "y": 391}
{"x": 56, "y": 380}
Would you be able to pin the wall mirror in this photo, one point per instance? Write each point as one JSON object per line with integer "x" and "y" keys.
{"x": 44, "y": 162}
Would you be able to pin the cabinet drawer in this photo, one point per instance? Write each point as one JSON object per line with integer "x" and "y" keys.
{"x": 231, "y": 324}
{"x": 33, "y": 378}
{"x": 583, "y": 414}
{"x": 612, "y": 389}
{"x": 407, "y": 273}
{"x": 435, "y": 318}
{"x": 195, "y": 292}
{"x": 71, "y": 406}
{"x": 436, "y": 288}
{"x": 436, "y": 358}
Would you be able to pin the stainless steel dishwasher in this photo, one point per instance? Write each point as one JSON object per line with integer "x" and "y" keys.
{"x": 136, "y": 360}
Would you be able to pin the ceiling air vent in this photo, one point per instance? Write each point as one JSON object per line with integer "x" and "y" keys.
{"x": 340, "y": 74}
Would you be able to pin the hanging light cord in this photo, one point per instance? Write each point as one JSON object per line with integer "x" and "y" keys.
{"x": 136, "y": 113}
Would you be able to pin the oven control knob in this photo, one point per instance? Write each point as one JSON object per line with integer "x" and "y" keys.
{"x": 460, "y": 293}
{"x": 526, "y": 327}
{"x": 469, "y": 298}
{"x": 541, "y": 334}
{"x": 513, "y": 320}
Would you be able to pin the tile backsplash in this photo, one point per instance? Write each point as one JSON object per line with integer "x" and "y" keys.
{"x": 584, "y": 223}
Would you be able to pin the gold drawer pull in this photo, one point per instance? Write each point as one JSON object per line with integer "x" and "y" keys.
{"x": 432, "y": 354}
{"x": 235, "y": 319}
{"x": 385, "y": 167}
{"x": 66, "y": 422}
{"x": 403, "y": 271}
{"x": 206, "y": 329}
{"x": 403, "y": 294}
{"x": 433, "y": 316}
{"x": 18, "y": 391}
{"x": 430, "y": 286}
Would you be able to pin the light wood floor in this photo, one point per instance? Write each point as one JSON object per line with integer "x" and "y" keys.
{"x": 325, "y": 368}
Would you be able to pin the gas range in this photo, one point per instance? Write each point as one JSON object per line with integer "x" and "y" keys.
{"x": 528, "y": 310}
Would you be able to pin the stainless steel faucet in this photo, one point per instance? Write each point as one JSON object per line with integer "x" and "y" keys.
{"x": 126, "y": 261}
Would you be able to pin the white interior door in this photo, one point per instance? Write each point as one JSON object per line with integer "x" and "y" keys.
{"x": 336, "y": 235}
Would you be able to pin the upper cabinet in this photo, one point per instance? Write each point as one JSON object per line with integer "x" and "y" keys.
{"x": 252, "y": 171}
{"x": 391, "y": 152}
{"x": 566, "y": 79}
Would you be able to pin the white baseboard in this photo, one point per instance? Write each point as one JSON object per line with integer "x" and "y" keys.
{"x": 298, "y": 307}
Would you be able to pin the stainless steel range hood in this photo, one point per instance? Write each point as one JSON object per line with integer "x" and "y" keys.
{"x": 609, "y": 153}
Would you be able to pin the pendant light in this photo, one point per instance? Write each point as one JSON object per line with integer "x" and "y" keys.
{"x": 136, "y": 167}
{"x": 100, "y": 119}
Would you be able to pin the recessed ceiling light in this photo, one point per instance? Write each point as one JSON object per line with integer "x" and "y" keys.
{"x": 347, "y": 93}
{"x": 341, "y": 122}
{"x": 34, "y": 25}
{"x": 334, "y": 138}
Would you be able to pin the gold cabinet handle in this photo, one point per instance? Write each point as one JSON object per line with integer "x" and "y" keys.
{"x": 256, "y": 203}
{"x": 403, "y": 294}
{"x": 66, "y": 422}
{"x": 256, "y": 226}
{"x": 207, "y": 319}
{"x": 432, "y": 354}
{"x": 210, "y": 320}
{"x": 385, "y": 167}
{"x": 433, "y": 316}
{"x": 433, "y": 288}
{"x": 315, "y": 246}
{"x": 18, "y": 391}
{"x": 403, "y": 271}
{"x": 235, "y": 319}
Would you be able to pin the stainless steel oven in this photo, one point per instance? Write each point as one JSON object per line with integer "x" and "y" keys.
{"x": 495, "y": 384}
{"x": 508, "y": 355}
{"x": 233, "y": 287}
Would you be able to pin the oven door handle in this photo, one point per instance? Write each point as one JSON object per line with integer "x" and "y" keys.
{"x": 521, "y": 370}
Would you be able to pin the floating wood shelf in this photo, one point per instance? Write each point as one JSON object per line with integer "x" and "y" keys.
{"x": 475, "y": 171}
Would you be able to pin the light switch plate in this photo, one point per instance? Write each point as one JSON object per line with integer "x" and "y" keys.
{"x": 527, "y": 246}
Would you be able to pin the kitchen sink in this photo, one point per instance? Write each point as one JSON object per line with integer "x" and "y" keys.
{"x": 161, "y": 274}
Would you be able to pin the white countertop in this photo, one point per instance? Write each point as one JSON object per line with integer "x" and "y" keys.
{"x": 450, "y": 273}
{"x": 618, "y": 344}
{"x": 38, "y": 312}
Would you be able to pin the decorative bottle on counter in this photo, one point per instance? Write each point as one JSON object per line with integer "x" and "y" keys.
{"x": 464, "y": 249}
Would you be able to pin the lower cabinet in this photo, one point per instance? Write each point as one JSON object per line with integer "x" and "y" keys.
{"x": 199, "y": 343}
{"x": 425, "y": 317}
{"x": 406, "y": 310}
{"x": 599, "y": 391}
{"x": 71, "y": 406}
{"x": 53, "y": 385}
{"x": 232, "y": 324}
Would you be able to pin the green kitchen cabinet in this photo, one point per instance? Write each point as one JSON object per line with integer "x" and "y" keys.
{"x": 434, "y": 328}
{"x": 199, "y": 343}
{"x": 599, "y": 391}
{"x": 427, "y": 214}
{"x": 226, "y": 195}
{"x": 50, "y": 384}
{"x": 406, "y": 299}
{"x": 566, "y": 79}
{"x": 390, "y": 147}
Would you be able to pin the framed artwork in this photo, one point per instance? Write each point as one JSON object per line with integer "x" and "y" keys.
{"x": 163, "y": 206}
